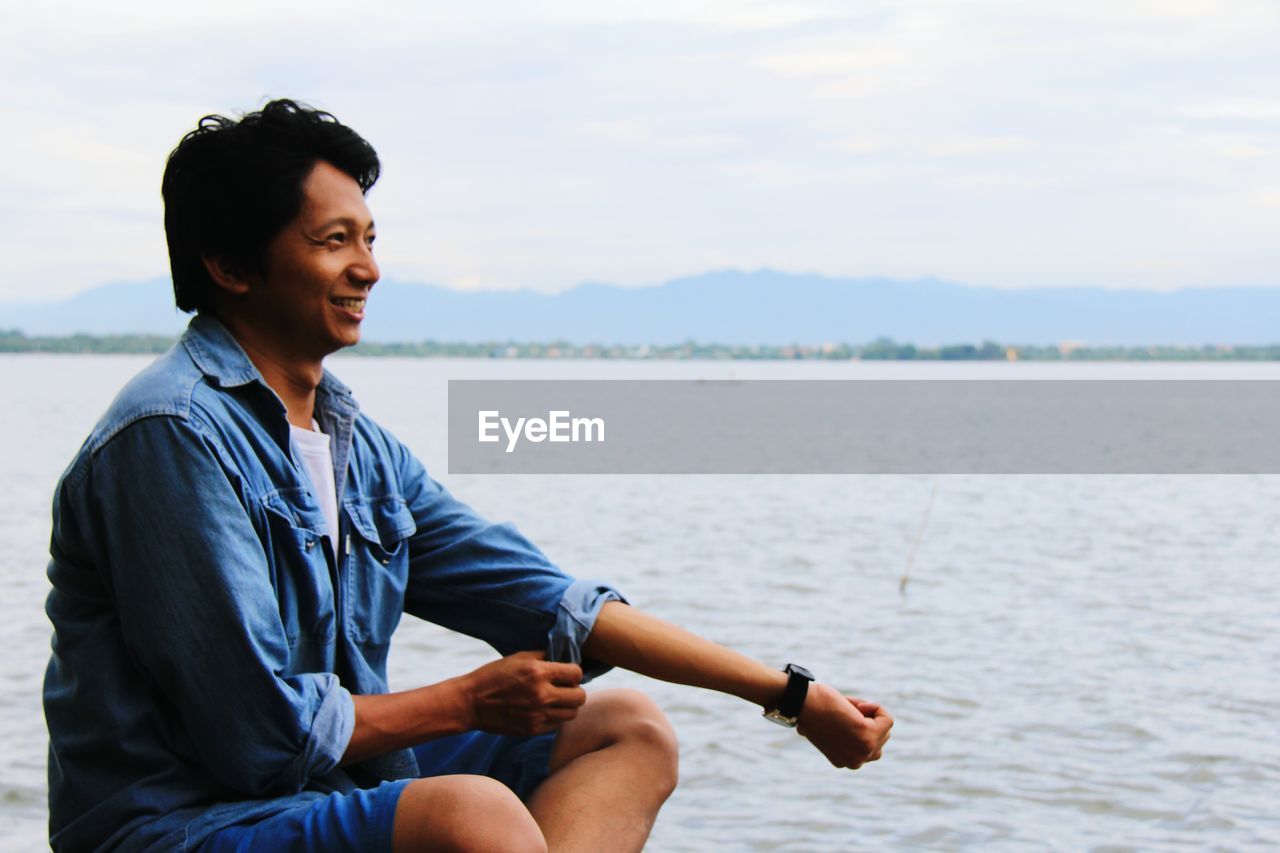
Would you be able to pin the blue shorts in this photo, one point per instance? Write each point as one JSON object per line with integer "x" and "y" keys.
{"x": 362, "y": 820}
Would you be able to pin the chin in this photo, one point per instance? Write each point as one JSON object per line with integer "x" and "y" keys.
{"x": 346, "y": 338}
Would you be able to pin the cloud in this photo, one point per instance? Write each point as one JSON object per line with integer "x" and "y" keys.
{"x": 533, "y": 145}
{"x": 641, "y": 135}
{"x": 1244, "y": 109}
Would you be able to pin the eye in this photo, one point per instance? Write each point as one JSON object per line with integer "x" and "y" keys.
{"x": 368, "y": 241}
{"x": 337, "y": 237}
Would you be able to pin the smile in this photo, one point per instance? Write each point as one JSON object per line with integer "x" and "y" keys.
{"x": 351, "y": 303}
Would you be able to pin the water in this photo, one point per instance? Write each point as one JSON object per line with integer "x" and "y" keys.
{"x": 1078, "y": 662}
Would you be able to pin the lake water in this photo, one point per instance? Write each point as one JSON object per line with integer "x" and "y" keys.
{"x": 1077, "y": 662}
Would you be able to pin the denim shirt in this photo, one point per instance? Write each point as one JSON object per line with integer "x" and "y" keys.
{"x": 207, "y": 639}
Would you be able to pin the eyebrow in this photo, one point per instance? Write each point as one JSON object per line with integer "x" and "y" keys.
{"x": 346, "y": 221}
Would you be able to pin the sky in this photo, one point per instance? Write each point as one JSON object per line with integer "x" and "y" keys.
{"x": 539, "y": 145}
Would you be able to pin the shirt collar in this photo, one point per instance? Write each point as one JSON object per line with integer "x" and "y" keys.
{"x": 219, "y": 356}
{"x": 217, "y": 353}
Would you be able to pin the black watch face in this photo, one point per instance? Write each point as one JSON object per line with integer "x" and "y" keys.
{"x": 796, "y": 669}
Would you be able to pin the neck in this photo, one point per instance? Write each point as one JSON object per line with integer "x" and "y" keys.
{"x": 292, "y": 377}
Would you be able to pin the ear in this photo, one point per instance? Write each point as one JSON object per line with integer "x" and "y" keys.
{"x": 226, "y": 275}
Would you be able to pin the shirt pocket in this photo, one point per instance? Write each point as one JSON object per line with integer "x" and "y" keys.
{"x": 378, "y": 565}
{"x": 300, "y": 571}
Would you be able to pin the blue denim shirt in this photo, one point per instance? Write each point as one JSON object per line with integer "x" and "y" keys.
{"x": 207, "y": 639}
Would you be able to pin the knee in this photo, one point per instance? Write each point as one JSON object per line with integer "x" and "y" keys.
{"x": 636, "y": 720}
{"x": 463, "y": 814}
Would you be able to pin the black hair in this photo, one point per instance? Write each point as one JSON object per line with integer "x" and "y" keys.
{"x": 231, "y": 186}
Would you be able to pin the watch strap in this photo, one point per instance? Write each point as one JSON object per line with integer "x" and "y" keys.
{"x": 797, "y": 689}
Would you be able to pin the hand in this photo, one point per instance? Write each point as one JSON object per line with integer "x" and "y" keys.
{"x": 847, "y": 730}
{"x": 524, "y": 694}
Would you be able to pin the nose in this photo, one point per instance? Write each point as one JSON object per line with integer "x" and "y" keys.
{"x": 365, "y": 270}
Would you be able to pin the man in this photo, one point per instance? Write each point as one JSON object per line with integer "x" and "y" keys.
{"x": 233, "y": 547}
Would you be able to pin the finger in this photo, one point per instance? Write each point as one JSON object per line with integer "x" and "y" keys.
{"x": 867, "y": 709}
{"x": 853, "y": 706}
{"x": 546, "y": 727}
{"x": 884, "y": 720}
{"x": 532, "y": 654}
{"x": 545, "y": 720}
{"x": 564, "y": 674}
{"x": 558, "y": 714}
{"x": 567, "y": 697}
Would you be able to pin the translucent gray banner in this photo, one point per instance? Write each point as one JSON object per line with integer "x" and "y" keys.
{"x": 864, "y": 427}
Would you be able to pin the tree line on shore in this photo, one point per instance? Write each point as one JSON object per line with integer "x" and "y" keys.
{"x": 882, "y": 349}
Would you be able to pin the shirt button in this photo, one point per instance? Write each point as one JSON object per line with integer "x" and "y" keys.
{"x": 310, "y": 542}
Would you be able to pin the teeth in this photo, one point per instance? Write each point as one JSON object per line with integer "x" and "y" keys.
{"x": 355, "y": 304}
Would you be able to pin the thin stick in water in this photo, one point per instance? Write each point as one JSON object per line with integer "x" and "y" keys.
{"x": 915, "y": 545}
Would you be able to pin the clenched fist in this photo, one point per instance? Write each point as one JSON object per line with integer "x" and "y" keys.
{"x": 524, "y": 694}
{"x": 848, "y": 731}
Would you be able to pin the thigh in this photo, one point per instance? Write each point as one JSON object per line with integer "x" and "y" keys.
{"x": 520, "y": 763}
{"x": 360, "y": 820}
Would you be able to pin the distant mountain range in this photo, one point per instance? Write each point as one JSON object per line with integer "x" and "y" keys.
{"x": 733, "y": 307}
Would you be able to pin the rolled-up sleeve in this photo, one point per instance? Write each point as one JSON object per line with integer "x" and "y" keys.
{"x": 198, "y": 610}
{"x": 575, "y": 616}
{"x": 488, "y": 581}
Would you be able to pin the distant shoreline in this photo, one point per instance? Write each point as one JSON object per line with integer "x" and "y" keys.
{"x": 879, "y": 350}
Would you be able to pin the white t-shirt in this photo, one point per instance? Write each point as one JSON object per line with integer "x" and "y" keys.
{"x": 318, "y": 460}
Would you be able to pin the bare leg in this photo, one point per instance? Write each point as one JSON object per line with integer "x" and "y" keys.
{"x": 612, "y": 768}
{"x": 463, "y": 814}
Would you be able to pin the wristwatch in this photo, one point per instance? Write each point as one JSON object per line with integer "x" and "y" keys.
{"x": 788, "y": 710}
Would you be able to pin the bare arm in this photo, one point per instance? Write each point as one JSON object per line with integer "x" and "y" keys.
{"x": 847, "y": 730}
{"x": 632, "y": 639}
{"x": 524, "y": 694}
{"x": 622, "y": 636}
{"x": 518, "y": 694}
{"x": 399, "y": 720}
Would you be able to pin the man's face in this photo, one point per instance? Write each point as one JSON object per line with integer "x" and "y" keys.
{"x": 319, "y": 270}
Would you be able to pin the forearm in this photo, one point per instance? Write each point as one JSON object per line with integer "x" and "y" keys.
{"x": 389, "y": 721}
{"x": 634, "y": 640}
